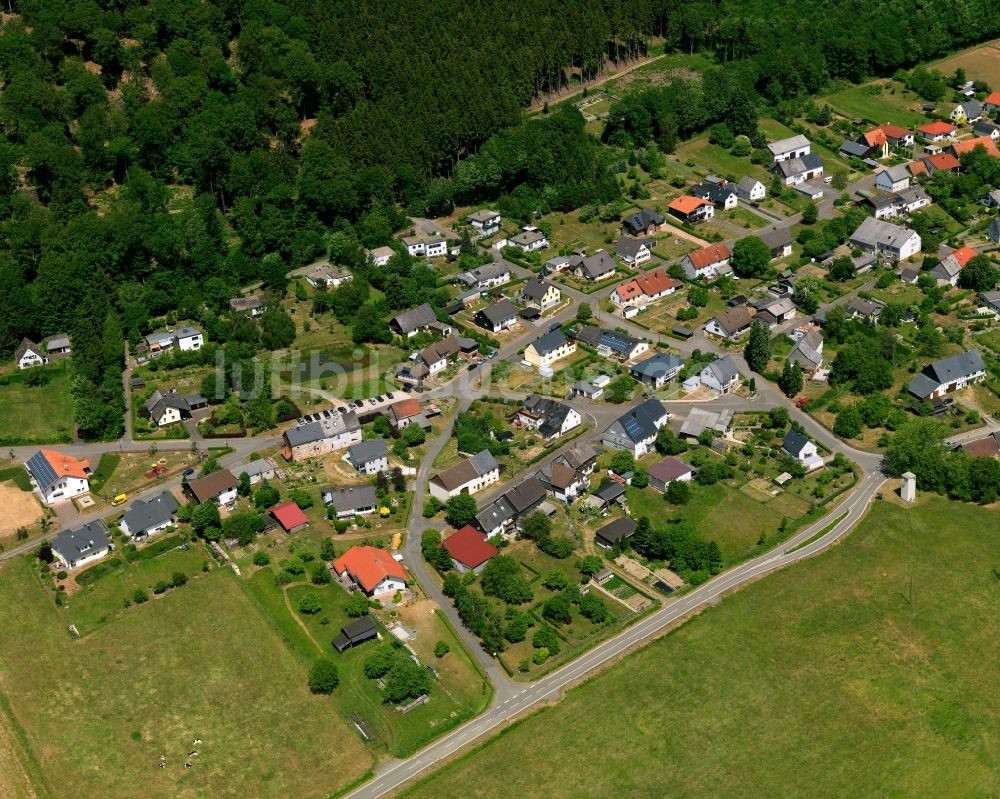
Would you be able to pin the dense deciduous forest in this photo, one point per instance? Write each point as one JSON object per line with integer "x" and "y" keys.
{"x": 158, "y": 153}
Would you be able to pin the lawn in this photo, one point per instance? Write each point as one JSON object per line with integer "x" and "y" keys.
{"x": 821, "y": 680}
{"x": 979, "y": 63}
{"x": 98, "y": 712}
{"x": 877, "y": 104}
{"x": 36, "y": 414}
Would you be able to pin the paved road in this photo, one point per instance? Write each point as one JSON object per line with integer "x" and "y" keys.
{"x": 517, "y": 698}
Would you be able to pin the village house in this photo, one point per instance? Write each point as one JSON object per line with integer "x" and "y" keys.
{"x": 947, "y": 375}
{"x": 152, "y": 516}
{"x": 498, "y": 317}
{"x": 801, "y": 448}
{"x": 708, "y": 262}
{"x": 219, "y": 487}
{"x": 57, "y": 477}
{"x": 991, "y": 199}
{"x": 886, "y": 239}
{"x": 751, "y": 189}
{"x": 563, "y": 482}
{"x": 699, "y": 420}
{"x": 426, "y": 246}
{"x": 369, "y": 457}
{"x": 991, "y": 300}
{"x": 374, "y": 571}
{"x": 614, "y": 532}
{"x": 407, "y": 411}
{"x": 645, "y": 288}
{"x": 471, "y": 475}
{"x": 947, "y": 271}
{"x": 966, "y": 112}
{"x": 960, "y": 148}
{"x": 540, "y": 294}
{"x": 852, "y": 149}
{"x": 469, "y": 549}
{"x": 85, "y": 544}
{"x": 486, "y": 221}
{"x": 329, "y": 434}
{"x": 29, "y": 354}
{"x": 411, "y": 322}
{"x": 257, "y": 470}
{"x": 799, "y": 170}
{"x": 612, "y": 343}
{"x": 529, "y": 239}
{"x": 644, "y": 222}
{"x": 380, "y": 256}
{"x": 599, "y": 266}
{"x": 549, "y": 348}
{"x": 325, "y": 276}
{"x": 772, "y": 313}
{"x": 164, "y": 409}
{"x": 808, "y": 352}
{"x": 252, "y": 305}
{"x": 883, "y": 137}
{"x": 691, "y": 209}
{"x": 525, "y": 497}
{"x": 663, "y": 473}
{"x": 721, "y": 375}
{"x": 986, "y": 128}
{"x": 350, "y": 501}
{"x": 863, "y": 310}
{"x": 893, "y": 178}
{"x": 548, "y": 416}
{"x": 580, "y": 457}
{"x": 937, "y": 131}
{"x": 488, "y": 276}
{"x": 657, "y": 370}
{"x": 778, "y": 241}
{"x": 992, "y": 102}
{"x": 184, "y": 338}
{"x": 58, "y": 345}
{"x": 889, "y": 206}
{"x": 730, "y": 325}
{"x": 633, "y": 251}
{"x": 436, "y": 357}
{"x": 722, "y": 195}
{"x": 497, "y": 518}
{"x": 635, "y": 430}
{"x": 789, "y": 149}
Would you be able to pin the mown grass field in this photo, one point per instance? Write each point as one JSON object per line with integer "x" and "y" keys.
{"x": 877, "y": 107}
{"x": 36, "y": 414}
{"x": 821, "y": 681}
{"x": 200, "y": 662}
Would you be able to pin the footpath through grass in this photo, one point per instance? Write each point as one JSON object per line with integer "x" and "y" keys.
{"x": 821, "y": 680}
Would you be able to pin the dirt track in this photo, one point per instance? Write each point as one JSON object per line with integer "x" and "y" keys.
{"x": 19, "y": 508}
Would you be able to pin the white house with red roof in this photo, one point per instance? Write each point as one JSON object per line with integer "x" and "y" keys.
{"x": 645, "y": 288}
{"x": 58, "y": 477}
{"x": 469, "y": 549}
{"x": 708, "y": 262}
{"x": 372, "y": 570}
{"x": 938, "y": 130}
{"x": 992, "y": 102}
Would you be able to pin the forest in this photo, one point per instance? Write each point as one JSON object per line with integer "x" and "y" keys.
{"x": 158, "y": 154}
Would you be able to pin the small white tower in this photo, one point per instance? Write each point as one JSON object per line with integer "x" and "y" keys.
{"x": 908, "y": 491}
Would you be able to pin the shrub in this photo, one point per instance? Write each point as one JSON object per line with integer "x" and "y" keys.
{"x": 323, "y": 676}
{"x": 160, "y": 587}
{"x": 309, "y": 603}
{"x": 140, "y": 596}
{"x": 177, "y": 579}
{"x": 261, "y": 558}
{"x": 541, "y": 655}
{"x": 441, "y": 649}
{"x": 61, "y": 575}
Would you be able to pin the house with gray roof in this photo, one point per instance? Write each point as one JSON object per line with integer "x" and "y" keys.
{"x": 315, "y": 438}
{"x": 58, "y": 345}
{"x": 893, "y": 178}
{"x": 794, "y": 171}
{"x": 633, "y": 251}
{"x": 778, "y": 240}
{"x": 498, "y": 317}
{"x": 350, "y": 501}
{"x": 635, "y": 430}
{"x": 74, "y": 548}
{"x": 721, "y": 375}
{"x": 853, "y": 149}
{"x": 149, "y": 517}
{"x": 540, "y": 294}
{"x": 790, "y": 148}
{"x": 644, "y": 222}
{"x": 947, "y": 375}
{"x": 580, "y": 456}
{"x": 165, "y": 409}
{"x": 29, "y": 354}
{"x": 257, "y": 470}
{"x": 699, "y": 420}
{"x": 492, "y": 274}
{"x": 411, "y": 322}
{"x": 991, "y": 300}
{"x": 599, "y": 266}
{"x": 485, "y": 220}
{"x": 658, "y": 370}
{"x": 468, "y": 477}
{"x": 549, "y": 417}
{"x": 615, "y": 532}
{"x": 808, "y": 352}
{"x": 749, "y": 188}
{"x": 886, "y": 239}
{"x": 369, "y": 457}
{"x": 496, "y": 518}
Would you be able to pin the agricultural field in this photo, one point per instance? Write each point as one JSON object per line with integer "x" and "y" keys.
{"x": 979, "y": 63}
{"x": 40, "y": 414}
{"x": 824, "y": 645}
{"x": 163, "y": 674}
{"x": 877, "y": 103}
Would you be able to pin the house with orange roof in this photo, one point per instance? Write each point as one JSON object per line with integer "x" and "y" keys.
{"x": 885, "y": 136}
{"x": 942, "y": 162}
{"x": 645, "y": 288}
{"x": 407, "y": 411}
{"x": 916, "y": 168}
{"x": 946, "y": 273}
{"x": 58, "y": 477}
{"x": 938, "y": 130}
{"x": 372, "y": 570}
{"x": 960, "y": 148}
{"x": 691, "y": 209}
{"x": 708, "y": 262}
{"x": 992, "y": 102}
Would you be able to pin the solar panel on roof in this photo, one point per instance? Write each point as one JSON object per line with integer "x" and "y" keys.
{"x": 42, "y": 470}
{"x": 632, "y": 428}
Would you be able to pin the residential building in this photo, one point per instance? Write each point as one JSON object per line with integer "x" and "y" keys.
{"x": 497, "y": 518}
{"x": 937, "y": 131}
{"x": 525, "y": 497}
{"x": 798, "y": 170}
{"x": 803, "y": 449}
{"x": 721, "y": 375}
{"x": 564, "y": 483}
{"x": 993, "y": 230}
{"x": 166, "y": 409}
{"x": 312, "y": 439}
{"x": 587, "y": 390}
{"x": 960, "y": 148}
{"x": 257, "y": 470}
{"x": 58, "y": 345}
{"x": 699, "y": 420}
{"x": 893, "y": 178}
{"x": 886, "y": 239}
{"x": 436, "y": 357}
{"x": 663, "y": 473}
{"x": 430, "y": 246}
{"x": 29, "y": 354}
{"x": 991, "y": 300}
{"x": 905, "y": 202}
{"x": 380, "y": 256}
{"x": 549, "y": 417}
{"x": 708, "y": 262}
{"x": 529, "y": 240}
{"x": 778, "y": 241}
{"x": 580, "y": 457}
{"x": 469, "y": 549}
{"x": 184, "y": 338}
{"x": 731, "y": 325}
{"x": 484, "y": 220}
{"x": 942, "y": 162}
{"x": 722, "y": 195}
{"x": 883, "y": 137}
{"x": 985, "y": 128}
{"x": 290, "y": 517}
{"x": 657, "y": 370}
{"x": 357, "y": 632}
{"x": 635, "y": 430}
{"x": 251, "y": 305}
{"x": 751, "y": 189}
{"x": 991, "y": 199}
{"x": 948, "y": 374}
{"x": 549, "y": 348}
{"x": 853, "y": 149}
{"x": 599, "y": 266}
{"x": 808, "y": 352}
{"x": 614, "y": 532}
{"x": 644, "y": 222}
{"x": 487, "y": 276}
{"x": 986, "y": 447}
{"x": 645, "y": 288}
{"x": 404, "y": 412}
{"x": 966, "y": 112}
{"x": 369, "y": 457}
{"x": 498, "y": 317}
{"x": 371, "y": 569}
{"x": 612, "y": 343}
{"x": 540, "y": 294}
{"x": 219, "y": 487}
{"x": 471, "y": 475}
{"x": 605, "y": 496}
{"x": 57, "y": 477}
{"x": 152, "y": 516}
{"x": 992, "y": 102}
{"x": 323, "y": 275}
{"x": 865, "y": 310}
{"x": 790, "y": 148}
{"x": 691, "y": 209}
{"x": 411, "y": 322}
{"x": 85, "y": 544}
{"x": 350, "y": 501}
{"x": 778, "y": 311}
{"x": 947, "y": 271}
{"x": 632, "y": 251}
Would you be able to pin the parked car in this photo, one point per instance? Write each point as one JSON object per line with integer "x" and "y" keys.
{"x": 380, "y": 398}
{"x": 389, "y": 395}
{"x": 119, "y": 500}
{"x": 372, "y": 401}
{"x": 473, "y": 365}
{"x": 342, "y": 409}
